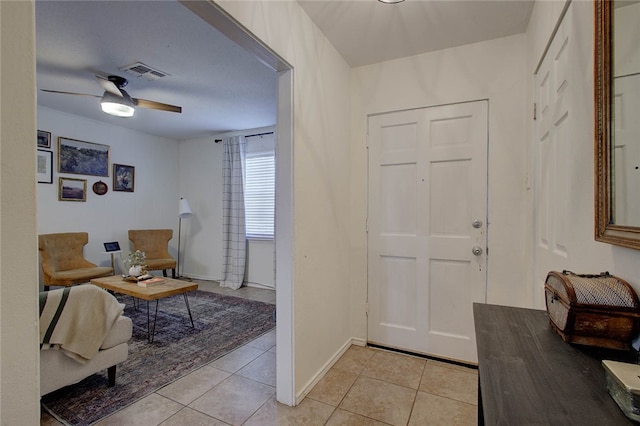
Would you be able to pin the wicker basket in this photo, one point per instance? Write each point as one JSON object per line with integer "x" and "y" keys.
{"x": 594, "y": 310}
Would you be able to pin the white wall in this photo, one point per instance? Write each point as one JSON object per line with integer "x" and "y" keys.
{"x": 201, "y": 185}
{"x": 153, "y": 204}
{"x": 455, "y": 75}
{"x": 19, "y": 357}
{"x": 321, "y": 162}
{"x": 585, "y": 254}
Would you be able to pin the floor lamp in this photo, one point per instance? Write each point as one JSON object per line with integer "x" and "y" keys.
{"x": 184, "y": 212}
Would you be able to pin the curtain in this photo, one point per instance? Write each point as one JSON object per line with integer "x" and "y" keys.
{"x": 234, "y": 250}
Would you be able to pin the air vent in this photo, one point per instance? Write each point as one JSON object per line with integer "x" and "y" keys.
{"x": 141, "y": 70}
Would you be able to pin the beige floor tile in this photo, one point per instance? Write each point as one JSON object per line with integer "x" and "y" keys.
{"x": 259, "y": 294}
{"x": 308, "y": 412}
{"x": 150, "y": 410}
{"x": 355, "y": 359}
{"x": 433, "y": 410}
{"x": 47, "y": 419}
{"x": 189, "y": 417}
{"x": 261, "y": 369}
{"x": 237, "y": 359}
{"x": 194, "y": 385}
{"x": 396, "y": 368}
{"x": 379, "y": 400}
{"x": 450, "y": 382}
{"x": 333, "y": 387}
{"x": 264, "y": 342}
{"x": 234, "y": 400}
{"x": 345, "y": 418}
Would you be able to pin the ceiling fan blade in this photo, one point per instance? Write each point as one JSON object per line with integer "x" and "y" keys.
{"x": 108, "y": 86}
{"x": 143, "y": 103}
{"x": 70, "y": 93}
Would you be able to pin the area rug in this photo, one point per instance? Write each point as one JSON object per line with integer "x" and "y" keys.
{"x": 222, "y": 323}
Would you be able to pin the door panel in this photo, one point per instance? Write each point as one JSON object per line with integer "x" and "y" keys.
{"x": 552, "y": 128}
{"x": 427, "y": 184}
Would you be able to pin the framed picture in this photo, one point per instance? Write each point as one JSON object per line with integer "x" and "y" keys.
{"x": 82, "y": 158}
{"x": 44, "y": 139}
{"x": 71, "y": 189}
{"x": 123, "y": 177}
{"x": 44, "y": 166}
{"x": 100, "y": 188}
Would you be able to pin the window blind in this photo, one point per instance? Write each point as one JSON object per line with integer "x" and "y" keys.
{"x": 259, "y": 195}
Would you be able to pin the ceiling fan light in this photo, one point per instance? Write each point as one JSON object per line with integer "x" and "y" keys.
{"x": 390, "y": 1}
{"x": 116, "y": 105}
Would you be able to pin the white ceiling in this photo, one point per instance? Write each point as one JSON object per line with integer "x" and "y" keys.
{"x": 368, "y": 31}
{"x": 219, "y": 85}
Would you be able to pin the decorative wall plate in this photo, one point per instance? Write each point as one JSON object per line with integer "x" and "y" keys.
{"x": 100, "y": 188}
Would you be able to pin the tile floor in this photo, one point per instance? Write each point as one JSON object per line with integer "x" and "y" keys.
{"x": 366, "y": 386}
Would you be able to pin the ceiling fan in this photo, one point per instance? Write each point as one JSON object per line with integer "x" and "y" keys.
{"x": 116, "y": 101}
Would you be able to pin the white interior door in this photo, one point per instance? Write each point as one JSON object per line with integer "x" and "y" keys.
{"x": 627, "y": 150}
{"x": 427, "y": 228}
{"x": 552, "y": 128}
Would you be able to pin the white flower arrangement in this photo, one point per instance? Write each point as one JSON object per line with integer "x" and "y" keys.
{"x": 136, "y": 258}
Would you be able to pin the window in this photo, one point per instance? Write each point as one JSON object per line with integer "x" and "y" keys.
{"x": 259, "y": 188}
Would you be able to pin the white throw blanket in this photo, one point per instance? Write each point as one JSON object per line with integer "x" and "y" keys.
{"x": 77, "y": 319}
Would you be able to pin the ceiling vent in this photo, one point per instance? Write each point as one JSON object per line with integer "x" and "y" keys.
{"x": 141, "y": 70}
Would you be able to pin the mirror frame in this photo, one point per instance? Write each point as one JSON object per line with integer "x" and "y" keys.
{"x": 605, "y": 230}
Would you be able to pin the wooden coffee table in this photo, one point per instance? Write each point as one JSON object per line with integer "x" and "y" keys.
{"x": 170, "y": 287}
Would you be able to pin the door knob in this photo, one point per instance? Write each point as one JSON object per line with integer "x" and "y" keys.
{"x": 476, "y": 250}
{"x": 476, "y": 223}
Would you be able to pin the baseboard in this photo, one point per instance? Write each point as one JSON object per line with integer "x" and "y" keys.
{"x": 199, "y": 277}
{"x": 247, "y": 284}
{"x": 327, "y": 366}
{"x": 258, "y": 285}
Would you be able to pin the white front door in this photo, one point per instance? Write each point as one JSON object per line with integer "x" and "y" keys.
{"x": 427, "y": 215}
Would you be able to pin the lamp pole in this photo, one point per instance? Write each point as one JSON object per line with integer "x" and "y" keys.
{"x": 184, "y": 212}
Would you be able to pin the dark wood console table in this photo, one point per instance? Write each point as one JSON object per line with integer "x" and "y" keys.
{"x": 528, "y": 375}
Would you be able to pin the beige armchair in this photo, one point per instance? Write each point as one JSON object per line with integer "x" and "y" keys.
{"x": 63, "y": 262}
{"x": 155, "y": 244}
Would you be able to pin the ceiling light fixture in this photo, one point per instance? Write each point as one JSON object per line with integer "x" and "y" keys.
{"x": 120, "y": 106}
{"x": 390, "y": 1}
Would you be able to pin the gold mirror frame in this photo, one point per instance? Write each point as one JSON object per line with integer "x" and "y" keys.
{"x": 605, "y": 230}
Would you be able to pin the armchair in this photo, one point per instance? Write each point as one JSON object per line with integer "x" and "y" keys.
{"x": 63, "y": 262}
{"x": 155, "y": 244}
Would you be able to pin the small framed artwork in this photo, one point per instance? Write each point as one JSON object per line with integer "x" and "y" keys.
{"x": 71, "y": 189}
{"x": 100, "y": 188}
{"x": 44, "y": 166}
{"x": 44, "y": 139}
{"x": 123, "y": 177}
{"x": 82, "y": 158}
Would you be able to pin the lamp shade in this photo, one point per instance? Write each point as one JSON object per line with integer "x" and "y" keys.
{"x": 184, "y": 210}
{"x": 120, "y": 106}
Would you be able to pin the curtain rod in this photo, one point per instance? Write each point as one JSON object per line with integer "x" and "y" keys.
{"x": 248, "y": 136}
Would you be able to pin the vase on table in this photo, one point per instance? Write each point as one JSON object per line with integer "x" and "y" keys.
{"x": 135, "y": 270}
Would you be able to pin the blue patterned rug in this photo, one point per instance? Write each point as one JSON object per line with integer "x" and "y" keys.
{"x": 222, "y": 323}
